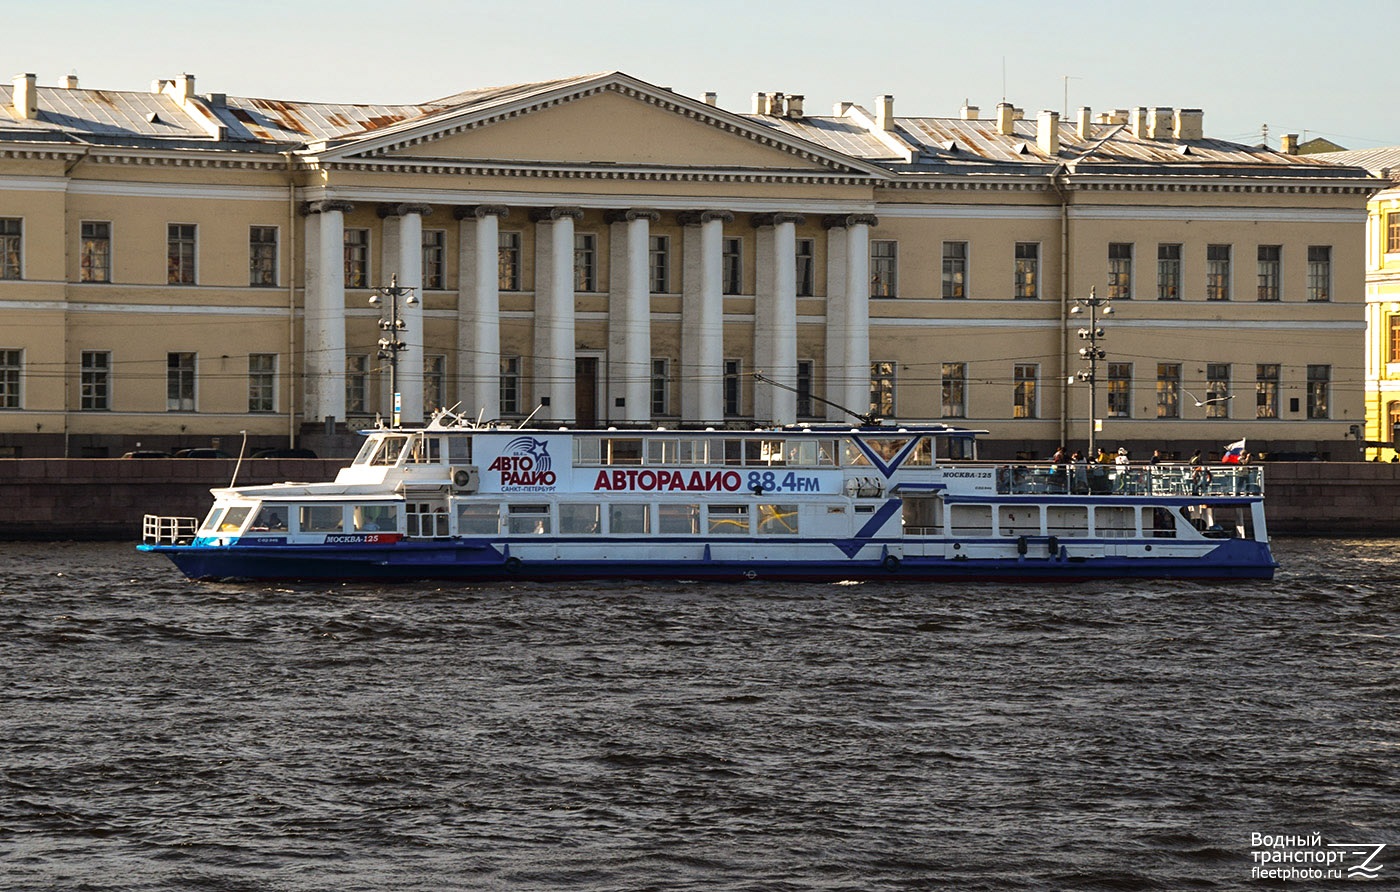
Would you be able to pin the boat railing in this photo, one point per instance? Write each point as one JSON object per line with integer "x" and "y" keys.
{"x": 1130, "y": 480}
{"x": 158, "y": 530}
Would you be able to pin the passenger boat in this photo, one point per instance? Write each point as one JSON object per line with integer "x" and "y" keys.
{"x": 457, "y": 500}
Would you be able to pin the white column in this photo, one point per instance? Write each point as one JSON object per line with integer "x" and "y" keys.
{"x": 403, "y": 259}
{"x": 629, "y": 315}
{"x": 324, "y": 323}
{"x": 835, "y": 371}
{"x": 857, "y": 394}
{"x": 554, "y": 311}
{"x": 702, "y": 316}
{"x": 775, "y": 317}
{"x": 479, "y": 311}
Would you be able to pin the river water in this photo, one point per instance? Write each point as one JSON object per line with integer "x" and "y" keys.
{"x": 159, "y": 734}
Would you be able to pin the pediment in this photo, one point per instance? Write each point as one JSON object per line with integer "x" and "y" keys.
{"x": 606, "y": 124}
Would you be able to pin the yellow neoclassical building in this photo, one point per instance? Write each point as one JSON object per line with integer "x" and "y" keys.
{"x": 177, "y": 267}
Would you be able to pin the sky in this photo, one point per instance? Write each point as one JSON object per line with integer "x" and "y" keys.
{"x": 1310, "y": 68}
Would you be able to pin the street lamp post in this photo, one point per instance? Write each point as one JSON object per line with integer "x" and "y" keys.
{"x": 1091, "y": 353}
{"x": 390, "y": 343}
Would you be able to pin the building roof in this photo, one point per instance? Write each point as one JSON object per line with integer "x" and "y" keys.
{"x": 1382, "y": 162}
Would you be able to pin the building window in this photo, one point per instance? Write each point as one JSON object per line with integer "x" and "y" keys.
{"x": 1319, "y": 272}
{"x": 508, "y": 261}
{"x": 1217, "y": 390}
{"x": 1168, "y": 390}
{"x": 882, "y": 401}
{"x": 954, "y": 389}
{"x": 1266, "y": 381}
{"x": 510, "y": 385}
{"x": 11, "y": 366}
{"x": 1392, "y": 233}
{"x": 733, "y": 389}
{"x": 11, "y": 240}
{"x": 95, "y": 381}
{"x": 732, "y": 259}
{"x": 1023, "y": 396}
{"x": 1169, "y": 272}
{"x": 1270, "y": 271}
{"x": 356, "y": 384}
{"x": 434, "y": 381}
{"x": 95, "y": 260}
{"x": 262, "y": 256}
{"x": 262, "y": 382}
{"x": 179, "y": 382}
{"x": 1027, "y": 270}
{"x": 660, "y": 264}
{"x": 660, "y": 387}
{"x": 434, "y": 259}
{"x": 179, "y": 253}
{"x": 955, "y": 269}
{"x": 357, "y": 258}
{"x": 1120, "y": 389}
{"x": 1120, "y": 270}
{"x": 1393, "y": 352}
{"x": 1217, "y": 272}
{"x": 884, "y": 268}
{"x": 806, "y": 267}
{"x": 804, "y": 388}
{"x": 1319, "y": 389}
{"x": 585, "y": 262}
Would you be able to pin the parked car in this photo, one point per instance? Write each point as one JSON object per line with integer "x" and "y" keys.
{"x": 146, "y": 453}
{"x": 285, "y": 453}
{"x": 202, "y": 452}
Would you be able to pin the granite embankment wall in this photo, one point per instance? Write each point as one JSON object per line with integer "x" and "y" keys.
{"x": 104, "y": 499}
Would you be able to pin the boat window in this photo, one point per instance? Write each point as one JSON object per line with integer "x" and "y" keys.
{"x": 970, "y": 520}
{"x": 851, "y": 456}
{"x": 1067, "y": 520}
{"x": 587, "y": 450}
{"x": 921, "y": 455}
{"x": 375, "y": 518}
{"x": 777, "y": 520}
{"x": 211, "y": 521}
{"x": 1018, "y": 520}
{"x": 887, "y": 447}
{"x": 691, "y": 452}
{"x": 426, "y": 519}
{"x": 624, "y": 451}
{"x": 810, "y": 453}
{"x": 1163, "y": 524}
{"x": 580, "y": 519}
{"x": 366, "y": 452}
{"x": 674, "y": 519}
{"x": 528, "y": 520}
{"x": 923, "y": 516}
{"x": 321, "y": 518}
{"x": 425, "y": 451}
{"x": 662, "y": 451}
{"x": 233, "y": 520}
{"x": 733, "y": 452}
{"x": 388, "y": 451}
{"x": 629, "y": 519}
{"x": 729, "y": 520}
{"x": 272, "y": 518}
{"x": 764, "y": 452}
{"x": 1116, "y": 522}
{"x": 459, "y": 450}
{"x": 960, "y": 448}
{"x": 478, "y": 518}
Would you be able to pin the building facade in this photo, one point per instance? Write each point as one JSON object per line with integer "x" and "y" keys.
{"x": 177, "y": 268}
{"x": 1383, "y": 324}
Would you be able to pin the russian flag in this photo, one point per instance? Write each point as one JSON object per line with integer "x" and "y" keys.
{"x": 1233, "y": 453}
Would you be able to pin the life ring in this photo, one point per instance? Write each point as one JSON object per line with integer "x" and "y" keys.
{"x": 750, "y": 574}
{"x": 513, "y": 565}
{"x": 890, "y": 563}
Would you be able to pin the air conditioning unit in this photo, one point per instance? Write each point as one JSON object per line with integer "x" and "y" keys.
{"x": 465, "y": 478}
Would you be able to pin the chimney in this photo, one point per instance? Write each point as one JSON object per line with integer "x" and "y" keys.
{"x": 70, "y": 82}
{"x": 1085, "y": 124}
{"x": 1139, "y": 122}
{"x": 182, "y": 88}
{"x": 794, "y": 105}
{"x": 26, "y": 99}
{"x": 1047, "y": 132}
{"x": 1159, "y": 123}
{"x": 1006, "y": 115}
{"x": 759, "y": 101}
{"x": 711, "y": 98}
{"x": 1189, "y": 124}
{"x": 969, "y": 112}
{"x": 1290, "y": 144}
{"x": 884, "y": 114}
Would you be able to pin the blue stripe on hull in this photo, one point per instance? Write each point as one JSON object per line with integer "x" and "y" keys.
{"x": 1232, "y": 560}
